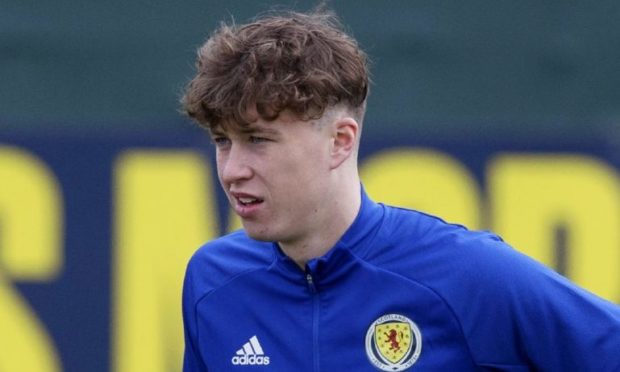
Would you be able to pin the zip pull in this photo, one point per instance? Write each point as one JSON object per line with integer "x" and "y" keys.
{"x": 310, "y": 281}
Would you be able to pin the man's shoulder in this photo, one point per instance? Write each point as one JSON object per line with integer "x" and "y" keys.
{"x": 222, "y": 259}
{"x": 428, "y": 249}
{"x": 412, "y": 229}
{"x": 451, "y": 259}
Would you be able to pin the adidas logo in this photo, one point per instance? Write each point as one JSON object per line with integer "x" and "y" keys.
{"x": 251, "y": 354}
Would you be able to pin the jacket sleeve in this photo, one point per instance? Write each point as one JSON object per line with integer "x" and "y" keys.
{"x": 547, "y": 322}
{"x": 192, "y": 360}
{"x": 564, "y": 327}
{"x": 525, "y": 314}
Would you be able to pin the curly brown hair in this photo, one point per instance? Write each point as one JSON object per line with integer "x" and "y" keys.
{"x": 293, "y": 61}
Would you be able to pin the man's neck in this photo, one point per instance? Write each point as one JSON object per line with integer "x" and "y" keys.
{"x": 342, "y": 213}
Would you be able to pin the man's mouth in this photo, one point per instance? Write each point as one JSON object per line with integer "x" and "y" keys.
{"x": 246, "y": 201}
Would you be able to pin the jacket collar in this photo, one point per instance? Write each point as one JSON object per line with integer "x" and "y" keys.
{"x": 355, "y": 242}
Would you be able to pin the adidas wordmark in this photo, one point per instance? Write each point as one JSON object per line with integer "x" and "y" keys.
{"x": 251, "y": 354}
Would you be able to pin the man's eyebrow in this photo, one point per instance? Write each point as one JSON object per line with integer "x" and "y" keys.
{"x": 253, "y": 130}
{"x": 216, "y": 132}
{"x": 245, "y": 130}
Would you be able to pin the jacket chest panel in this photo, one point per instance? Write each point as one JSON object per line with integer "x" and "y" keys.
{"x": 366, "y": 320}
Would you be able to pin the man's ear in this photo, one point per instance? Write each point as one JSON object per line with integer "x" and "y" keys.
{"x": 344, "y": 140}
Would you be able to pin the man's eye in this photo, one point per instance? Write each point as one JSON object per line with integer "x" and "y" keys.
{"x": 221, "y": 141}
{"x": 254, "y": 139}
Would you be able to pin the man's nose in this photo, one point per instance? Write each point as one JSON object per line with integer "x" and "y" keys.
{"x": 235, "y": 166}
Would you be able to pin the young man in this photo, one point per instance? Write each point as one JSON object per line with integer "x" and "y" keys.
{"x": 321, "y": 278}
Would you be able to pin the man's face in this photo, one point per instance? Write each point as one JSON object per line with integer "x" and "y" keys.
{"x": 276, "y": 176}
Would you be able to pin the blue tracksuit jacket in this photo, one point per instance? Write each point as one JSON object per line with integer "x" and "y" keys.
{"x": 401, "y": 290}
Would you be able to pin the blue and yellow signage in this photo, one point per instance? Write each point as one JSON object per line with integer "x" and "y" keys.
{"x": 95, "y": 233}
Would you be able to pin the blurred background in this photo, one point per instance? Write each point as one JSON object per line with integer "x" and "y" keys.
{"x": 530, "y": 68}
{"x": 497, "y": 115}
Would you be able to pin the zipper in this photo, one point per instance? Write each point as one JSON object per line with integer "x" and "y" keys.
{"x": 315, "y": 320}
{"x": 311, "y": 285}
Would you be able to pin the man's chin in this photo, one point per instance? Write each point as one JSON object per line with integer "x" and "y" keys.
{"x": 261, "y": 234}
